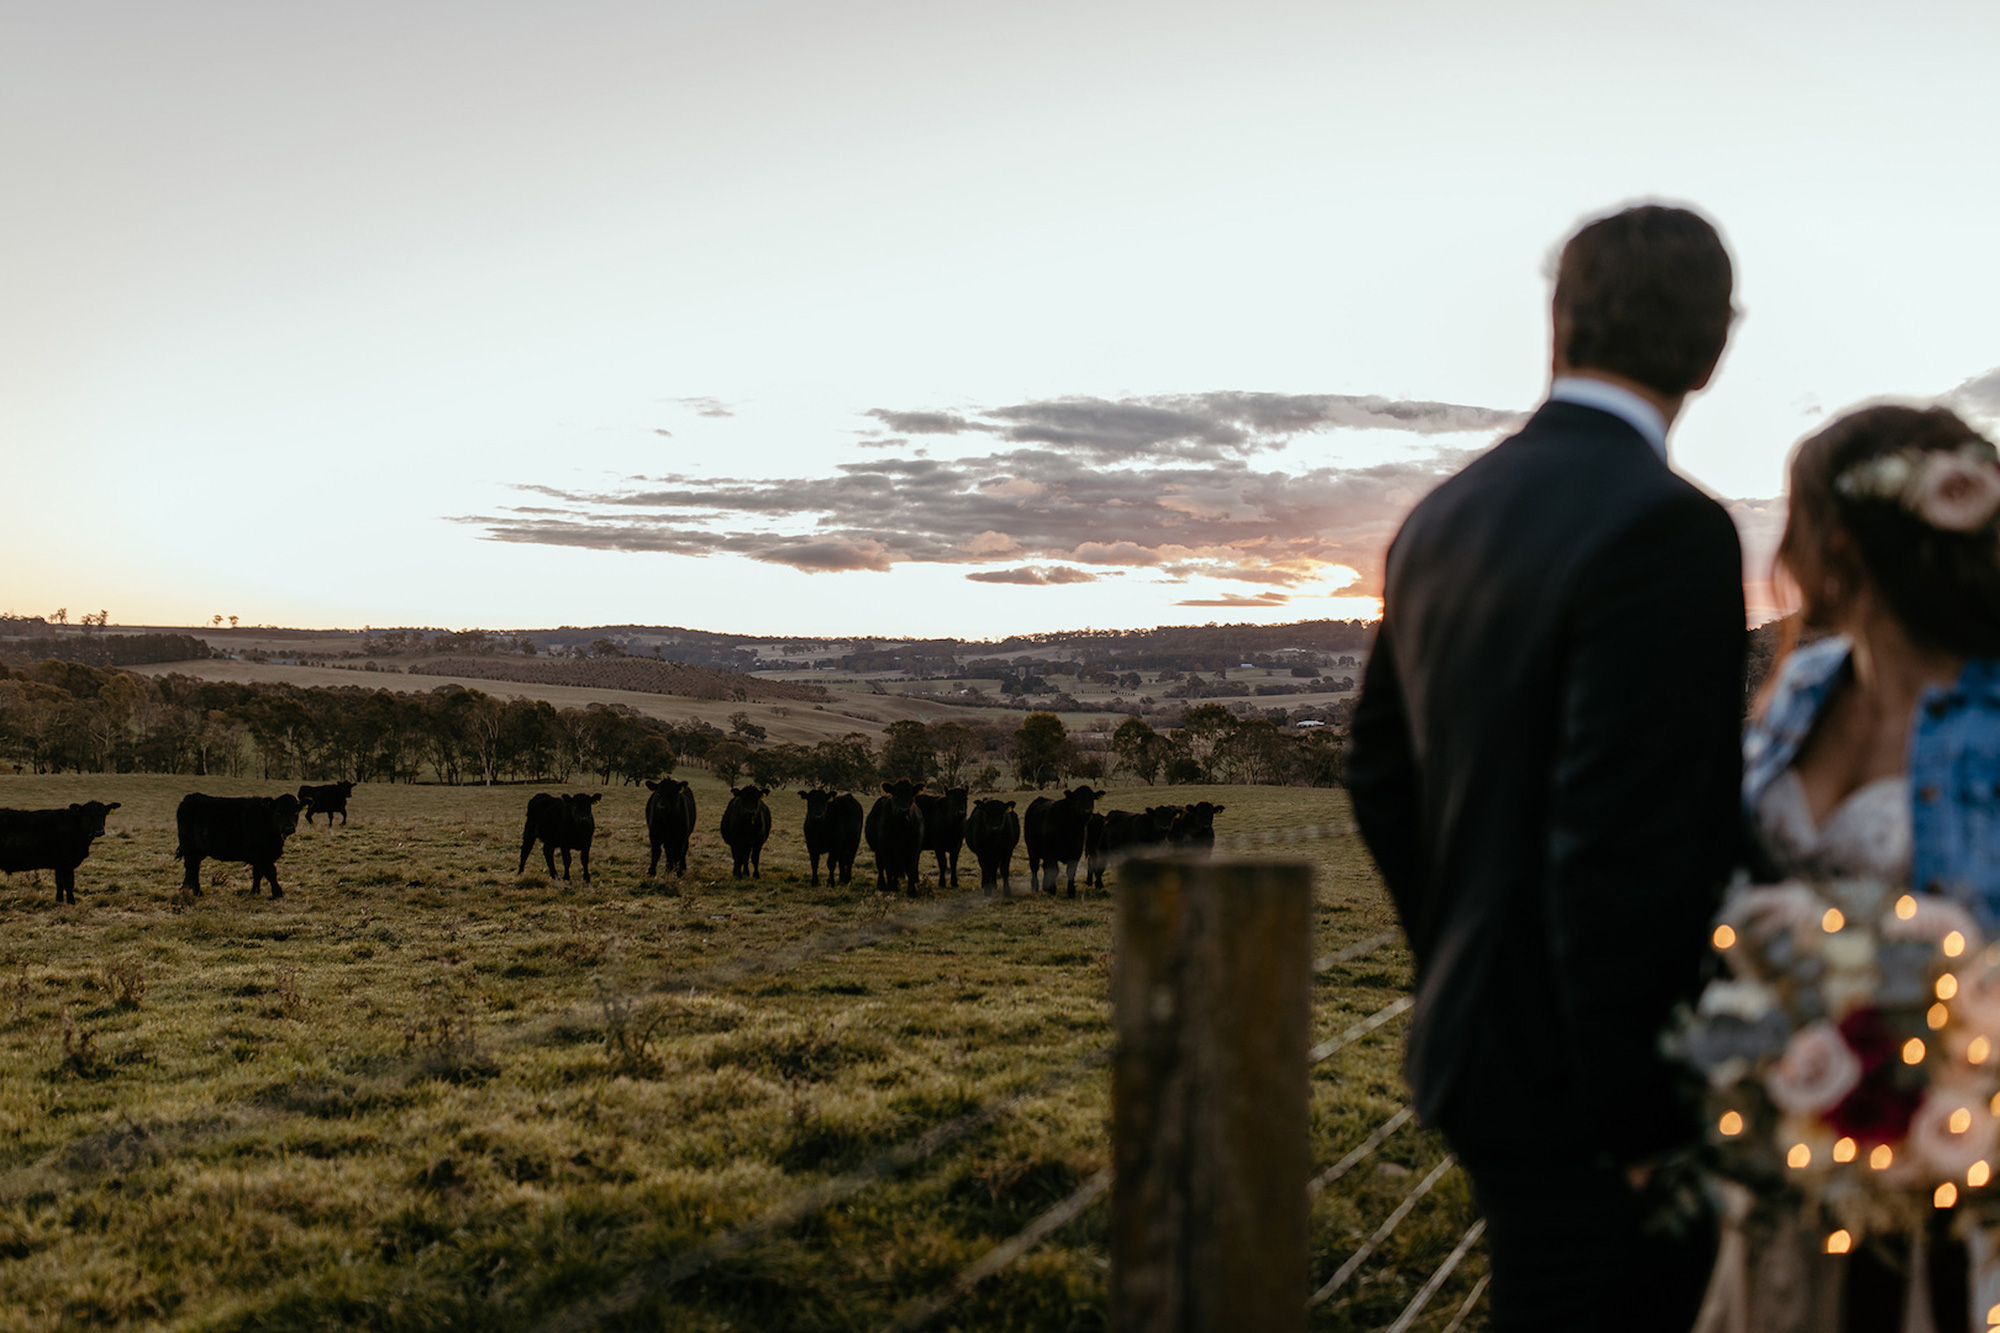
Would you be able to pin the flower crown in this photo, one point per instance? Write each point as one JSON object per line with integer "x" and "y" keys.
{"x": 1952, "y": 490}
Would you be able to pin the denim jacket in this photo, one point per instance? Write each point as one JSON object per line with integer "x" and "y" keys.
{"x": 1954, "y": 769}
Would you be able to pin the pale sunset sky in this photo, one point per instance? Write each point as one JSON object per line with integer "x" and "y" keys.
{"x": 906, "y": 318}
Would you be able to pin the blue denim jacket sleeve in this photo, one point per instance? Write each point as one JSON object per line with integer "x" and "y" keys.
{"x": 1954, "y": 768}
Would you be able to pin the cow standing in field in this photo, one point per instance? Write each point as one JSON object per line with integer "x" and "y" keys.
{"x": 1194, "y": 828}
{"x": 561, "y": 823}
{"x": 944, "y": 829}
{"x": 328, "y": 800}
{"x": 669, "y": 824}
{"x": 1117, "y": 834}
{"x": 55, "y": 840}
{"x": 992, "y": 832}
{"x": 251, "y": 829}
{"x": 1055, "y": 831}
{"x": 833, "y": 830}
{"x": 746, "y": 826}
{"x": 896, "y": 836}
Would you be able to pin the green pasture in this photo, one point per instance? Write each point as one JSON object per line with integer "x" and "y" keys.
{"x": 422, "y": 1092}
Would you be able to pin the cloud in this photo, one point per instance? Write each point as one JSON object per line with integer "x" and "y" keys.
{"x": 1237, "y": 601}
{"x": 1195, "y": 486}
{"x": 1031, "y": 574}
{"x": 1202, "y": 425}
{"x": 705, "y": 407}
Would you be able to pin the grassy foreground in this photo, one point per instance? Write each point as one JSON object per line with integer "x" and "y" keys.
{"x": 420, "y": 1092}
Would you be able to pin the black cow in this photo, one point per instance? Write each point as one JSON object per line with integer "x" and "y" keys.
{"x": 561, "y": 823}
{"x": 746, "y": 825}
{"x": 55, "y": 840}
{"x": 329, "y": 800}
{"x": 1117, "y": 834}
{"x": 992, "y": 832}
{"x": 896, "y": 835}
{"x": 833, "y": 830}
{"x": 1194, "y": 828}
{"x": 669, "y": 824}
{"x": 251, "y": 829}
{"x": 944, "y": 829}
{"x": 1055, "y": 831}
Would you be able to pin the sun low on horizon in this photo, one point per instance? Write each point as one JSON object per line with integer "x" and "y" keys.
{"x": 894, "y": 319}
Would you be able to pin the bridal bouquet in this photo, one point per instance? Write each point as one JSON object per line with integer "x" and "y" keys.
{"x": 1852, "y": 1054}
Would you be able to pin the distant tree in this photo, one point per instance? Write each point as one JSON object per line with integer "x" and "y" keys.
{"x": 1041, "y": 749}
{"x": 1139, "y": 749}
{"x": 847, "y": 764}
{"x": 1203, "y": 728}
{"x": 217, "y": 622}
{"x": 726, "y": 760}
{"x": 741, "y": 727}
{"x": 61, "y": 616}
{"x": 907, "y": 752}
{"x": 953, "y": 744}
{"x": 776, "y": 765}
{"x": 232, "y": 621}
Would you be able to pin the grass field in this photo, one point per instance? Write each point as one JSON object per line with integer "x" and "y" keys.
{"x": 420, "y": 1092}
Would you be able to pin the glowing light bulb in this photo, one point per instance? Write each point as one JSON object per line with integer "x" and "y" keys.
{"x": 1947, "y": 986}
{"x": 1978, "y": 1174}
{"x": 1961, "y": 1120}
{"x": 1913, "y": 1051}
{"x": 1937, "y": 1017}
{"x": 1731, "y": 1124}
{"x": 1881, "y": 1158}
{"x": 1833, "y": 921}
{"x": 1954, "y": 944}
{"x": 1840, "y": 1242}
{"x": 1946, "y": 1196}
{"x": 1978, "y": 1049}
{"x": 1799, "y": 1157}
{"x": 1724, "y": 937}
{"x": 1906, "y": 907}
{"x": 1844, "y": 1150}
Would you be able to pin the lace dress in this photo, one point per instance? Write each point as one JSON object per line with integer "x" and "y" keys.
{"x": 1776, "y": 1280}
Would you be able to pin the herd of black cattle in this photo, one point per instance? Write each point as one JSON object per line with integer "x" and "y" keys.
{"x": 905, "y": 822}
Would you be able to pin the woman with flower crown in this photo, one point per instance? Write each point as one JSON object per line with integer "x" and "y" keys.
{"x": 1874, "y": 756}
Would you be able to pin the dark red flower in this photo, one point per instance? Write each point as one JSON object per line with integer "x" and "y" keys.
{"x": 1868, "y": 1034}
{"x": 1875, "y": 1112}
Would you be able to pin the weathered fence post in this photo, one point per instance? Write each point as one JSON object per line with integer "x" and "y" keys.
{"x": 1211, "y": 997}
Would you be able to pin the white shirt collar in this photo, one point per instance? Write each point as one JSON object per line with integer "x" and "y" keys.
{"x": 1627, "y": 406}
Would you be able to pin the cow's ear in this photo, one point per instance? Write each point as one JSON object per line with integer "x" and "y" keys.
{"x": 1220, "y": 808}
{"x": 596, "y": 796}
{"x": 920, "y": 786}
{"x": 652, "y": 785}
{"x": 76, "y": 805}
{"x": 804, "y": 796}
{"x": 114, "y": 805}
{"x": 1010, "y": 805}
{"x": 885, "y": 787}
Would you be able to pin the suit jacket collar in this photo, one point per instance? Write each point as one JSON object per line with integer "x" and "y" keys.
{"x": 1569, "y": 418}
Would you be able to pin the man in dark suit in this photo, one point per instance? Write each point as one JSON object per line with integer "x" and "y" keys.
{"x": 1545, "y": 764}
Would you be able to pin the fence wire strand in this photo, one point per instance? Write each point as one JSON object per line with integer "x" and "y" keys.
{"x": 1382, "y": 1233}
{"x": 1332, "y": 1046}
{"x": 660, "y": 1277}
{"x": 920, "y": 1312}
{"x": 1437, "y": 1279}
{"x": 1354, "y": 951}
{"x": 1361, "y": 1153}
{"x": 1465, "y": 1310}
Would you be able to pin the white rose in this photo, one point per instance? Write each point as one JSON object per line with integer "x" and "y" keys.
{"x": 1815, "y": 1072}
{"x": 1947, "y": 1152}
{"x": 1760, "y": 913}
{"x": 1978, "y": 1000}
{"x": 1747, "y": 1000}
{"x": 1954, "y": 492}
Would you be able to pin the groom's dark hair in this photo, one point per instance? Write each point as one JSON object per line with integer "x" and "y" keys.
{"x": 1645, "y": 294}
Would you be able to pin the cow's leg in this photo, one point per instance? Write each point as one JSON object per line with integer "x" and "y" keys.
{"x": 527, "y": 848}
{"x": 191, "y": 881}
{"x": 271, "y": 873}
{"x": 583, "y": 861}
{"x": 814, "y": 857}
{"x": 654, "y": 868}
{"x": 65, "y": 884}
{"x": 566, "y": 865}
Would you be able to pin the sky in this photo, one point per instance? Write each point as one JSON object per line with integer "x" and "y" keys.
{"x": 907, "y": 318}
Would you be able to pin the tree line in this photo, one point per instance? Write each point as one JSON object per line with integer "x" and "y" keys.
{"x": 58, "y": 716}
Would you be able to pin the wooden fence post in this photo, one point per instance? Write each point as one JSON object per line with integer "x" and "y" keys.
{"x": 1211, "y": 997}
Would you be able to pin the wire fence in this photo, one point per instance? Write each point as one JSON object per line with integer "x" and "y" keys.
{"x": 918, "y": 1312}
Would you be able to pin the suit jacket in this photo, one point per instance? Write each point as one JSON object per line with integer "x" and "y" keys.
{"x": 1545, "y": 763}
